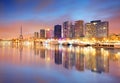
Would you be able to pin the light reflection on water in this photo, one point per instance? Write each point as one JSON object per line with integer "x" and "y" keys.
{"x": 58, "y": 63}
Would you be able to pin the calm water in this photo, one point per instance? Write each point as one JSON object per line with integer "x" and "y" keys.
{"x": 58, "y": 64}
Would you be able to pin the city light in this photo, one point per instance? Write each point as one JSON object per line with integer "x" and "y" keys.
{"x": 59, "y": 41}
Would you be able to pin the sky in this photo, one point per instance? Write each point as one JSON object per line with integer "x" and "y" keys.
{"x": 33, "y": 15}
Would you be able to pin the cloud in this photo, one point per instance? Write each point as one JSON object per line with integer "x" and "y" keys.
{"x": 35, "y": 6}
{"x": 43, "y": 4}
{"x": 103, "y": 7}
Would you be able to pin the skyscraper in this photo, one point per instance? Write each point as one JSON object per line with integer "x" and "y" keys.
{"x": 49, "y": 33}
{"x": 42, "y": 33}
{"x": 79, "y": 28}
{"x": 36, "y": 35}
{"x": 72, "y": 31}
{"x": 97, "y": 29}
{"x": 57, "y": 31}
{"x": 66, "y": 29}
{"x": 102, "y": 29}
{"x": 90, "y": 30}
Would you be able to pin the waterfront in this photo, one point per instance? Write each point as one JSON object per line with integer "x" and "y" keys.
{"x": 59, "y": 64}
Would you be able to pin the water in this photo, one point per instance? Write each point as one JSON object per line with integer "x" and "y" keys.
{"x": 58, "y": 64}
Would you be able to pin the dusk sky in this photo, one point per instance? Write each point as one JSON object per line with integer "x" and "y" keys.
{"x": 36, "y": 14}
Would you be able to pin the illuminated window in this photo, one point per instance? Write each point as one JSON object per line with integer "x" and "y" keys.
{"x": 104, "y": 27}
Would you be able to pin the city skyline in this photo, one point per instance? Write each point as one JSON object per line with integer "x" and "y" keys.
{"x": 34, "y": 15}
{"x": 59, "y": 41}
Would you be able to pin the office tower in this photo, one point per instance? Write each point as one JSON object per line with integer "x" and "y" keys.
{"x": 90, "y": 30}
{"x": 79, "y": 28}
{"x": 49, "y": 33}
{"x": 36, "y": 35}
{"x": 97, "y": 29}
{"x": 66, "y": 29}
{"x": 42, "y": 33}
{"x": 72, "y": 31}
{"x": 102, "y": 29}
{"x": 57, "y": 31}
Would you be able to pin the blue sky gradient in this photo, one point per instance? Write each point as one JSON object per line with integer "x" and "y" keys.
{"x": 51, "y": 12}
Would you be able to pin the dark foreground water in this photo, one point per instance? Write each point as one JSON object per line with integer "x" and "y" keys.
{"x": 58, "y": 64}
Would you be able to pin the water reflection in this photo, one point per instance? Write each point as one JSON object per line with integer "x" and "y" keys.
{"x": 79, "y": 58}
{"x": 20, "y": 50}
{"x": 42, "y": 52}
{"x": 58, "y": 55}
{"x": 98, "y": 62}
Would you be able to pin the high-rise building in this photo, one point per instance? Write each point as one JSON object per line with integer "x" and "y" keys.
{"x": 42, "y": 33}
{"x": 72, "y": 31}
{"x": 49, "y": 33}
{"x": 57, "y": 31}
{"x": 102, "y": 29}
{"x": 66, "y": 29}
{"x": 36, "y": 35}
{"x": 79, "y": 28}
{"x": 90, "y": 30}
{"x": 97, "y": 29}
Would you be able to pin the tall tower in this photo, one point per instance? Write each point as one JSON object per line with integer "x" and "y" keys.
{"x": 79, "y": 28}
{"x": 66, "y": 29}
{"x": 21, "y": 36}
{"x": 42, "y": 33}
{"x": 57, "y": 31}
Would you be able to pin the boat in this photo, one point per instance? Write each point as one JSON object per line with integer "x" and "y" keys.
{"x": 97, "y": 45}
